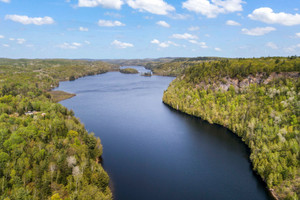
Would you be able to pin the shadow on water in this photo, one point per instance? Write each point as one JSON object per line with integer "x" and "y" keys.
{"x": 111, "y": 183}
{"x": 222, "y": 134}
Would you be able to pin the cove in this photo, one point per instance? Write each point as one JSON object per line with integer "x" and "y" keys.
{"x": 153, "y": 152}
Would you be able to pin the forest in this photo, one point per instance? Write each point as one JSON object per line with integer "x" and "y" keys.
{"x": 45, "y": 151}
{"x": 257, "y": 99}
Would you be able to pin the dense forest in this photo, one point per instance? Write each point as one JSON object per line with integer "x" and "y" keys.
{"x": 45, "y": 152}
{"x": 258, "y": 99}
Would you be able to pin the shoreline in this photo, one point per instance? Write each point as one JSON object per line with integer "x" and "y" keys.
{"x": 66, "y": 95}
{"x": 270, "y": 190}
{"x": 58, "y": 95}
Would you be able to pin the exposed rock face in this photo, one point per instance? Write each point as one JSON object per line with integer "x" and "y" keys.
{"x": 260, "y": 78}
{"x": 280, "y": 75}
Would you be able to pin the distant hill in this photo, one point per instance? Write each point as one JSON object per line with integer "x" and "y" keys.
{"x": 138, "y": 62}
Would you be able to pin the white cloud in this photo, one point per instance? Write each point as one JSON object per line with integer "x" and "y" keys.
{"x": 87, "y": 42}
{"x": 76, "y": 44}
{"x": 185, "y": 36}
{"x": 121, "y": 45}
{"x": 66, "y": 45}
{"x": 268, "y": 16}
{"x": 229, "y": 6}
{"x": 232, "y": 23}
{"x": 5, "y": 45}
{"x": 155, "y": 41}
{"x": 212, "y": 8}
{"x": 272, "y": 45}
{"x": 1, "y": 36}
{"x": 194, "y": 28}
{"x": 5, "y": 1}
{"x": 193, "y": 41}
{"x": 218, "y": 49}
{"x": 109, "y": 23}
{"x": 258, "y": 31}
{"x": 20, "y": 41}
{"x": 297, "y": 35}
{"x": 291, "y": 49}
{"x": 201, "y": 44}
{"x": 114, "y": 4}
{"x": 158, "y": 7}
{"x": 83, "y": 29}
{"x": 164, "y": 44}
{"x": 23, "y": 19}
{"x": 179, "y": 16}
{"x": 163, "y": 24}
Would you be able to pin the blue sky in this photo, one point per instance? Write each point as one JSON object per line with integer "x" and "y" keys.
{"x": 102, "y": 29}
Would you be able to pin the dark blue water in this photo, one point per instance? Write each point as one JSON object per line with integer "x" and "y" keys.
{"x": 152, "y": 152}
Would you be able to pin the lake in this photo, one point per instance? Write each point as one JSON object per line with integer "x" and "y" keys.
{"x": 153, "y": 152}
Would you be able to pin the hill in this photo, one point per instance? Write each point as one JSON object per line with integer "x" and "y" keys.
{"x": 258, "y": 99}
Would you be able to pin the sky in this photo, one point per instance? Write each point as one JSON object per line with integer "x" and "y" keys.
{"x": 126, "y": 29}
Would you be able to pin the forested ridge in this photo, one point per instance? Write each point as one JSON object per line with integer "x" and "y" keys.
{"x": 258, "y": 99}
{"x": 176, "y": 66}
{"x": 45, "y": 152}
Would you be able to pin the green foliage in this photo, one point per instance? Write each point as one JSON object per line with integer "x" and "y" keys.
{"x": 213, "y": 68}
{"x": 56, "y": 197}
{"x": 129, "y": 71}
{"x": 45, "y": 152}
{"x": 258, "y": 99}
{"x": 168, "y": 69}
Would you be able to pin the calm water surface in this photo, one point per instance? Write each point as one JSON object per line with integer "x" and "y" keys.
{"x": 152, "y": 152}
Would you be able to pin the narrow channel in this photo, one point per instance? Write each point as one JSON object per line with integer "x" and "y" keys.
{"x": 153, "y": 152}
